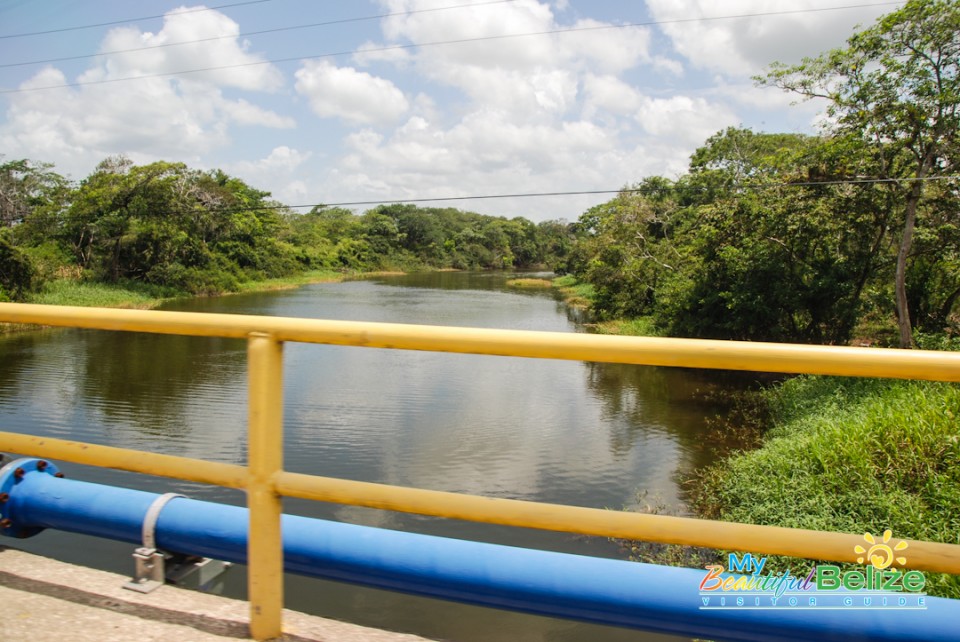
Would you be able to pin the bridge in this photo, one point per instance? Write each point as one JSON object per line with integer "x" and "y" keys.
{"x": 641, "y": 596}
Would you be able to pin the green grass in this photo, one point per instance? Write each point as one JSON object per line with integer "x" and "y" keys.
{"x": 573, "y": 292}
{"x": 639, "y": 327}
{"x": 854, "y": 456}
{"x": 132, "y": 294}
{"x": 293, "y": 281}
{"x": 107, "y": 295}
{"x": 529, "y": 283}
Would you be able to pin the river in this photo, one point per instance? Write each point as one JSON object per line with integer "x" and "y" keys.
{"x": 574, "y": 433}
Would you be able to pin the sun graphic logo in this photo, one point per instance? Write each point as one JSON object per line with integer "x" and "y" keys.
{"x": 880, "y": 554}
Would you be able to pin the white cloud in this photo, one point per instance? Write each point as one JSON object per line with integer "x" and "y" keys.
{"x": 219, "y": 46}
{"x": 590, "y": 44}
{"x": 527, "y": 95}
{"x": 482, "y": 21}
{"x": 280, "y": 159}
{"x": 745, "y": 46}
{"x": 80, "y": 126}
{"x": 608, "y": 49}
{"x": 488, "y": 152}
{"x": 668, "y": 65}
{"x": 158, "y": 117}
{"x": 245, "y": 113}
{"x": 276, "y": 170}
{"x": 354, "y": 96}
{"x": 685, "y": 119}
{"x": 371, "y": 52}
{"x": 611, "y": 94}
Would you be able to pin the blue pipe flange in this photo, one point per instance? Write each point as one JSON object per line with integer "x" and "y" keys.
{"x": 11, "y": 475}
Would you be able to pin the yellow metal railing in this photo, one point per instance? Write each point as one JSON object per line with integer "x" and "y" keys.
{"x": 266, "y": 482}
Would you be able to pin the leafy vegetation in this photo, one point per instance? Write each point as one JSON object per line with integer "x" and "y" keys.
{"x": 894, "y": 91}
{"x": 164, "y": 227}
{"x": 850, "y": 455}
{"x": 129, "y": 294}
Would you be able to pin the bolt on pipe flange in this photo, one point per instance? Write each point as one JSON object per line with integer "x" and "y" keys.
{"x": 11, "y": 475}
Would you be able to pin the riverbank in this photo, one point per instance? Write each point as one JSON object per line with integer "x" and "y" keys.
{"x": 141, "y": 296}
{"x": 144, "y": 296}
{"x": 849, "y": 455}
{"x": 833, "y": 454}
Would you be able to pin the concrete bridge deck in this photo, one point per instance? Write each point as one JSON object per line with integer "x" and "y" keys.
{"x": 52, "y": 599}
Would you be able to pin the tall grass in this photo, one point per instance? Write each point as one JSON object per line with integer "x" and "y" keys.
{"x": 529, "y": 283}
{"x": 850, "y": 455}
{"x": 637, "y": 327}
{"x": 574, "y": 293}
{"x": 292, "y": 281}
{"x": 108, "y": 295}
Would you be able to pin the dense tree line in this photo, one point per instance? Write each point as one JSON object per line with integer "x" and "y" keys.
{"x": 798, "y": 238}
{"x": 205, "y": 232}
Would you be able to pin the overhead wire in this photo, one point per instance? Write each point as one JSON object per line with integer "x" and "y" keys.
{"x": 128, "y": 20}
{"x": 597, "y": 192}
{"x": 252, "y": 33}
{"x": 444, "y": 43}
{"x": 741, "y": 187}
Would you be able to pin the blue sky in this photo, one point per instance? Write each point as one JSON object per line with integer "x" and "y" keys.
{"x": 371, "y": 109}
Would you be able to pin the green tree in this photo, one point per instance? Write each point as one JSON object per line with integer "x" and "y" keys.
{"x": 896, "y": 87}
{"x": 630, "y": 247}
{"x": 16, "y": 271}
{"x": 26, "y": 185}
{"x": 555, "y": 241}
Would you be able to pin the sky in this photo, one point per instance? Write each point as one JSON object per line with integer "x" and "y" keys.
{"x": 330, "y": 101}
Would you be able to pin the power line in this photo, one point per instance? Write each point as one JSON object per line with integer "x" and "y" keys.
{"x": 448, "y": 42}
{"x": 599, "y": 192}
{"x": 251, "y": 33}
{"x": 628, "y": 190}
{"x": 119, "y": 22}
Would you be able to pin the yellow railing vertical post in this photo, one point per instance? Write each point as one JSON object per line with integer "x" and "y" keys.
{"x": 265, "y": 460}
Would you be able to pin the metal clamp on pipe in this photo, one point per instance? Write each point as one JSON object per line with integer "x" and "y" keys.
{"x": 154, "y": 567}
{"x": 149, "y": 571}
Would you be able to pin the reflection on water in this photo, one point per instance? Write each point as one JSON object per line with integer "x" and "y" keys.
{"x": 575, "y": 433}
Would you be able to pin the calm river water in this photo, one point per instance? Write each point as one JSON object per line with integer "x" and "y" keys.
{"x": 574, "y": 433}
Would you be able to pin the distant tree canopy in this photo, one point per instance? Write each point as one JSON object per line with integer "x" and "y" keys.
{"x": 205, "y": 232}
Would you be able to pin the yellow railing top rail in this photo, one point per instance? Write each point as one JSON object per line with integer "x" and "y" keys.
{"x": 658, "y": 351}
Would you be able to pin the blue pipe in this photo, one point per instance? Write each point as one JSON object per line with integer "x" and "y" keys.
{"x": 613, "y": 592}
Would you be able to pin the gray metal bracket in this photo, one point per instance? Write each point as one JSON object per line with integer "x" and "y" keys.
{"x": 149, "y": 563}
{"x": 153, "y": 568}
